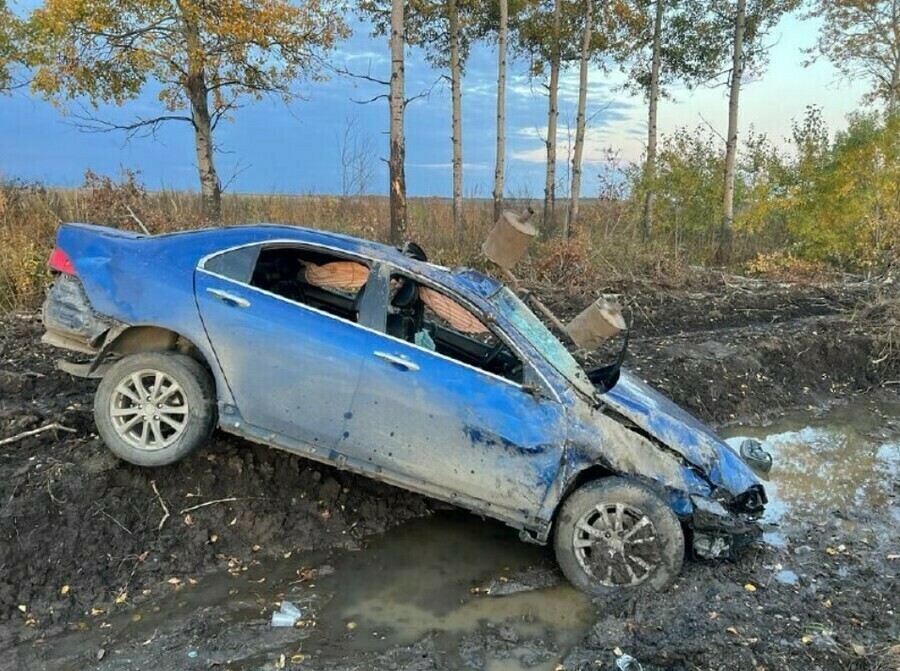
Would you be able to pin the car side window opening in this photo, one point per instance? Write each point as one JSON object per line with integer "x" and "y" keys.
{"x": 321, "y": 280}
{"x": 432, "y": 320}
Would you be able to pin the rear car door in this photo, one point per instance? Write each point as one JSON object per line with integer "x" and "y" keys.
{"x": 292, "y": 369}
{"x": 454, "y": 429}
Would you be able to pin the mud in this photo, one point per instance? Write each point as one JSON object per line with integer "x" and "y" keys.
{"x": 83, "y": 543}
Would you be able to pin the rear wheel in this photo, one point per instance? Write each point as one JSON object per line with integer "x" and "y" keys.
{"x": 154, "y": 408}
{"x": 615, "y": 534}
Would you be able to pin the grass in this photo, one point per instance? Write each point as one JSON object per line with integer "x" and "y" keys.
{"x": 605, "y": 249}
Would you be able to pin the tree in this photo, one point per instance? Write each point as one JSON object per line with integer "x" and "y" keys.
{"x": 549, "y": 218}
{"x": 676, "y": 41}
{"x": 737, "y": 73}
{"x": 397, "y": 103}
{"x": 748, "y": 23}
{"x": 499, "y": 169}
{"x": 9, "y": 56}
{"x": 862, "y": 39}
{"x": 206, "y": 56}
{"x": 580, "y": 120}
{"x": 652, "y": 111}
{"x": 357, "y": 156}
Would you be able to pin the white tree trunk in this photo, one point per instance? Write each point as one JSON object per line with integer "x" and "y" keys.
{"x": 456, "y": 97}
{"x": 501, "y": 110}
{"x": 580, "y": 121}
{"x": 652, "y": 132}
{"x": 552, "y": 119}
{"x": 737, "y": 72}
{"x": 397, "y": 158}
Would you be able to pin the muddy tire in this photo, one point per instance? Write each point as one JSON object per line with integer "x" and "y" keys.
{"x": 154, "y": 408}
{"x": 615, "y": 535}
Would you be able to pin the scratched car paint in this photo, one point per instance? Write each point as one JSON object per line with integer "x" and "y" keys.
{"x": 511, "y": 428}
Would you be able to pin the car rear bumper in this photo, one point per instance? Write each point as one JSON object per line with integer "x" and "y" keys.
{"x": 70, "y": 320}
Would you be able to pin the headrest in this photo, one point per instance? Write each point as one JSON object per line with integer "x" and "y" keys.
{"x": 406, "y": 295}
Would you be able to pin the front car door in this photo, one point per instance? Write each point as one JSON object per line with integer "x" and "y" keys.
{"x": 454, "y": 430}
{"x": 292, "y": 369}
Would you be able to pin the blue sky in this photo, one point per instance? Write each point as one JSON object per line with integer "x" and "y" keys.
{"x": 271, "y": 147}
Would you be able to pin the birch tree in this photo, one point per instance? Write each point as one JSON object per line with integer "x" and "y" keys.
{"x": 676, "y": 41}
{"x": 749, "y": 24}
{"x": 734, "y": 93}
{"x": 500, "y": 161}
{"x": 397, "y": 104}
{"x": 548, "y": 34}
{"x": 207, "y": 57}
{"x": 862, "y": 40}
{"x": 580, "y": 120}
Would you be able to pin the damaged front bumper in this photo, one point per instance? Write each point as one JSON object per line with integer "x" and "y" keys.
{"x": 721, "y": 528}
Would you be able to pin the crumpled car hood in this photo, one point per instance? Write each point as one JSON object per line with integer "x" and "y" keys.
{"x": 681, "y": 432}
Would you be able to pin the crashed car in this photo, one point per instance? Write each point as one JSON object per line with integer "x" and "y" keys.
{"x": 373, "y": 360}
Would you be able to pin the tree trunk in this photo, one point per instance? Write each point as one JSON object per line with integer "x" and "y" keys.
{"x": 501, "y": 110}
{"x": 894, "y": 94}
{"x": 650, "y": 167}
{"x": 580, "y": 121}
{"x": 723, "y": 254}
{"x": 198, "y": 96}
{"x": 397, "y": 159}
{"x": 456, "y": 98}
{"x": 552, "y": 118}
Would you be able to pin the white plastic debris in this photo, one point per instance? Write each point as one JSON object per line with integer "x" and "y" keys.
{"x": 628, "y": 663}
{"x": 287, "y": 616}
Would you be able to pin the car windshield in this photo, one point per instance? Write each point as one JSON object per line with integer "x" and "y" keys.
{"x": 526, "y": 322}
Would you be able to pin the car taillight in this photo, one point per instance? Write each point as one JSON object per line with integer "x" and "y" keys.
{"x": 60, "y": 262}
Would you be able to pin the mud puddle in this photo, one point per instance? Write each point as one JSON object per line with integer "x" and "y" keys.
{"x": 452, "y": 575}
{"x": 827, "y": 464}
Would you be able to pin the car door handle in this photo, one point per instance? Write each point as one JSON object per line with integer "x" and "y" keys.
{"x": 231, "y": 299}
{"x": 403, "y": 362}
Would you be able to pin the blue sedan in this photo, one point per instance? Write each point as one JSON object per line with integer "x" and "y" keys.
{"x": 370, "y": 358}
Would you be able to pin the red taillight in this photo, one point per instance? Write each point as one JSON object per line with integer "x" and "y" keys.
{"x": 60, "y": 262}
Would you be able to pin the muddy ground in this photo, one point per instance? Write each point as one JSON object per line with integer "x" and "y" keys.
{"x": 85, "y": 539}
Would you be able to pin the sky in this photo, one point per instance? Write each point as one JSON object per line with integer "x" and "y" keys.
{"x": 296, "y": 148}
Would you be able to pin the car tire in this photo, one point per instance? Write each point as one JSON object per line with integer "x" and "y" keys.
{"x": 636, "y": 542}
{"x": 173, "y": 417}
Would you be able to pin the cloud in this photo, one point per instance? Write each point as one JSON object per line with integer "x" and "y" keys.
{"x": 623, "y": 135}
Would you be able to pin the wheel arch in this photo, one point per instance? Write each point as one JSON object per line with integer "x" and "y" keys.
{"x": 133, "y": 339}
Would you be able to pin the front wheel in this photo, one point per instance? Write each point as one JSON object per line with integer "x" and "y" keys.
{"x": 154, "y": 408}
{"x": 615, "y": 534}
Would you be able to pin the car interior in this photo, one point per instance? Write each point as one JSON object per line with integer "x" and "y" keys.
{"x": 285, "y": 271}
{"x": 332, "y": 284}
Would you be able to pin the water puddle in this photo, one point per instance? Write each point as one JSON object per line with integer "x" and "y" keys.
{"x": 847, "y": 458}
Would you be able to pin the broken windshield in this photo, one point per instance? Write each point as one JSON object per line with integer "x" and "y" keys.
{"x": 526, "y": 322}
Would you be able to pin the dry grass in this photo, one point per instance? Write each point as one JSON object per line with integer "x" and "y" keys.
{"x": 604, "y": 250}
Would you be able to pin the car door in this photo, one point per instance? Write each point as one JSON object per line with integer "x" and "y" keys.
{"x": 292, "y": 369}
{"x": 454, "y": 429}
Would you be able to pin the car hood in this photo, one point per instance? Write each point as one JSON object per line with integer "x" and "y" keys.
{"x": 681, "y": 432}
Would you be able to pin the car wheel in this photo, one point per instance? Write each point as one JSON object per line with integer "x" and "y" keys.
{"x": 615, "y": 534}
{"x": 155, "y": 408}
